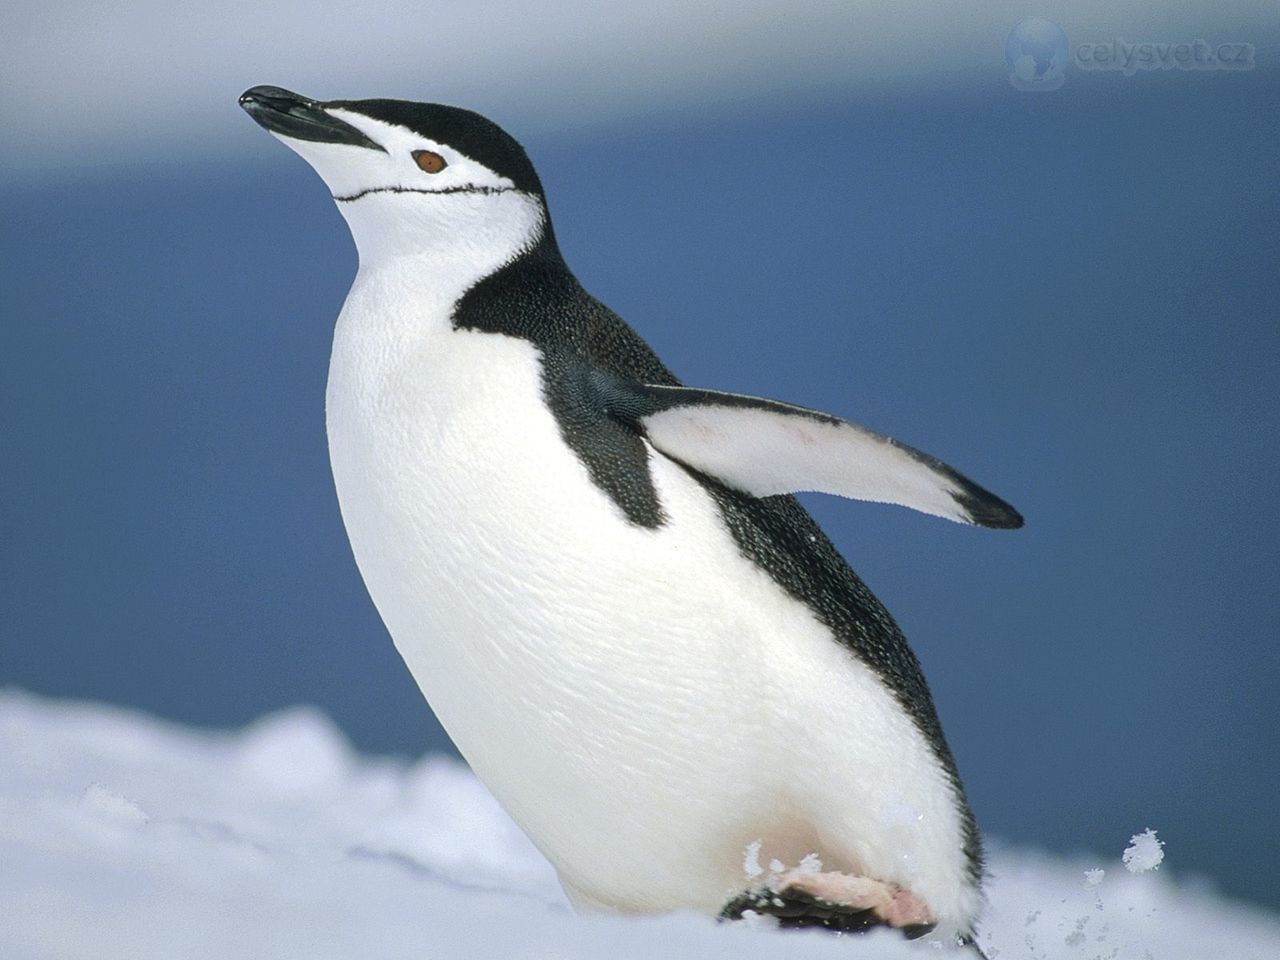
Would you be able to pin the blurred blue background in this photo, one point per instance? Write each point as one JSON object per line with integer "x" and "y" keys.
{"x": 1070, "y": 296}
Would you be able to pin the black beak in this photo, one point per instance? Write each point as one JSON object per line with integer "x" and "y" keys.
{"x": 284, "y": 112}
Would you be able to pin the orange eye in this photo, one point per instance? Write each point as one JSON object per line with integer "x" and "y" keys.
{"x": 429, "y": 162}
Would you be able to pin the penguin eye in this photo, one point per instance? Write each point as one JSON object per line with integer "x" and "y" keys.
{"x": 429, "y": 162}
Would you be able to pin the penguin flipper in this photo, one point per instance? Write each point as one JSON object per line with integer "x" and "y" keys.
{"x": 764, "y": 447}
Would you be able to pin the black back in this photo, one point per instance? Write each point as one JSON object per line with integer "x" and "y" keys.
{"x": 538, "y": 299}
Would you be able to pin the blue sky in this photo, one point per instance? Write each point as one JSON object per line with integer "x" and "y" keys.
{"x": 1069, "y": 296}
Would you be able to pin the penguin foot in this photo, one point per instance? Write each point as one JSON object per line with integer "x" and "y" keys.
{"x": 835, "y": 901}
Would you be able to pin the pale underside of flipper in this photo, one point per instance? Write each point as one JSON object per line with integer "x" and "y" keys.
{"x": 764, "y": 448}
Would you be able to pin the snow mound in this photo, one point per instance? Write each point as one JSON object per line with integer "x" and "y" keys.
{"x": 121, "y": 836}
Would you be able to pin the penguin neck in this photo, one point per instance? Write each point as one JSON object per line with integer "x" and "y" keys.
{"x": 417, "y": 266}
{"x": 447, "y": 242}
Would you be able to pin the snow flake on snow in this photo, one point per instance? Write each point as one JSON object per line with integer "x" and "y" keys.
{"x": 810, "y": 863}
{"x": 751, "y": 860}
{"x": 1145, "y": 852}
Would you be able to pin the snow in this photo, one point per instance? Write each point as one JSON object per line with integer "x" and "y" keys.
{"x": 122, "y": 836}
{"x": 810, "y": 863}
{"x": 751, "y": 860}
{"x": 1145, "y": 852}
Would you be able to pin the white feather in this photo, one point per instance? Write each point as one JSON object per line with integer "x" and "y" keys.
{"x": 765, "y": 452}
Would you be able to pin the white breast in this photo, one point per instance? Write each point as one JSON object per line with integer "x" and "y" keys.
{"x": 643, "y": 702}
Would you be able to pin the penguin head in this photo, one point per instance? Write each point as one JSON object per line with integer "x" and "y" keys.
{"x": 412, "y": 178}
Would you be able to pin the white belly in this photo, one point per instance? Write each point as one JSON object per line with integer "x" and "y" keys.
{"x": 643, "y": 702}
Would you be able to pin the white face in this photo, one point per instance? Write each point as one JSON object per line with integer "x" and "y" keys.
{"x": 420, "y": 197}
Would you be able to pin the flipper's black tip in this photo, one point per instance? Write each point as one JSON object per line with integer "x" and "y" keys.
{"x": 984, "y": 508}
{"x": 987, "y": 510}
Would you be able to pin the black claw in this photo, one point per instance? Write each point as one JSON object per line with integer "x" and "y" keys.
{"x": 735, "y": 908}
{"x": 914, "y": 931}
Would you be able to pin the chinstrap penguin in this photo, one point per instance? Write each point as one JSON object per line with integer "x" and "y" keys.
{"x": 641, "y": 643}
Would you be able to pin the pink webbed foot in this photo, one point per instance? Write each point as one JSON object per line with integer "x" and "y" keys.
{"x": 835, "y": 901}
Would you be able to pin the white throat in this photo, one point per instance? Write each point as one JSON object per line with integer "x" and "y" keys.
{"x": 456, "y": 233}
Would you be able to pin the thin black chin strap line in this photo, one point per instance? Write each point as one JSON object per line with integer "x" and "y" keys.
{"x": 484, "y": 191}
